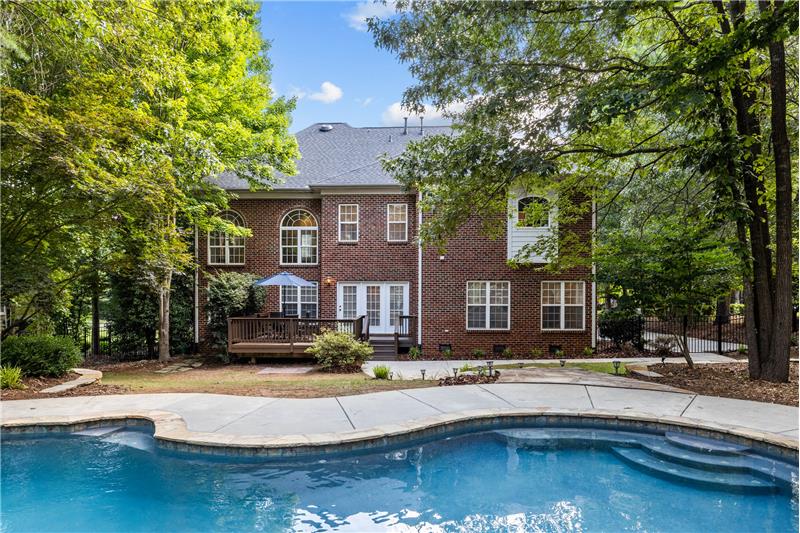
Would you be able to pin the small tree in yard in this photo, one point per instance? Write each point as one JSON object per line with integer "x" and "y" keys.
{"x": 230, "y": 294}
{"x": 339, "y": 351}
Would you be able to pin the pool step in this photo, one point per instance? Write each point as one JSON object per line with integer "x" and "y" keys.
{"x": 699, "y": 444}
{"x": 741, "y": 462}
{"x": 730, "y": 481}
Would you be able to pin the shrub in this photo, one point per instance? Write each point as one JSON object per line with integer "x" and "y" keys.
{"x": 11, "y": 377}
{"x": 381, "y": 372}
{"x": 478, "y": 353}
{"x": 465, "y": 367}
{"x": 339, "y": 351}
{"x": 622, "y": 326}
{"x": 663, "y": 346}
{"x": 414, "y": 353}
{"x": 587, "y": 351}
{"x": 737, "y": 309}
{"x": 508, "y": 354}
{"x": 447, "y": 353}
{"x": 230, "y": 294}
{"x": 536, "y": 353}
{"x": 41, "y": 355}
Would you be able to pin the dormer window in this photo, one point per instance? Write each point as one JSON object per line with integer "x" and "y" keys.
{"x": 225, "y": 249}
{"x": 533, "y": 212}
{"x": 531, "y": 219}
{"x": 299, "y": 238}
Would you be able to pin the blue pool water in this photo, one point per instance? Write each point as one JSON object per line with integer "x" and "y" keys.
{"x": 512, "y": 480}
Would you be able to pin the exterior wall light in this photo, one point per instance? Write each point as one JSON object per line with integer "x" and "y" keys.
{"x": 329, "y": 281}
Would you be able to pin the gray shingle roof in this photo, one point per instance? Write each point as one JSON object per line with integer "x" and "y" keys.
{"x": 343, "y": 156}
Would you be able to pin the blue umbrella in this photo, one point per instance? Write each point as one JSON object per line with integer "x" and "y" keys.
{"x": 284, "y": 279}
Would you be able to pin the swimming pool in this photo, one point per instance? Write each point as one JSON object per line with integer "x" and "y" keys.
{"x": 542, "y": 479}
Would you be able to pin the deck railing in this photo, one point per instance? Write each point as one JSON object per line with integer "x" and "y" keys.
{"x": 254, "y": 329}
{"x": 405, "y": 330}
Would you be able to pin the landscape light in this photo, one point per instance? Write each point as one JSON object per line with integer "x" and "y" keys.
{"x": 563, "y": 362}
{"x": 615, "y": 362}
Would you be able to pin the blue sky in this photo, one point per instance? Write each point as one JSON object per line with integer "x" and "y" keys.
{"x": 322, "y": 54}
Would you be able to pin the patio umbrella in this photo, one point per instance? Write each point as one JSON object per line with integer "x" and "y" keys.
{"x": 284, "y": 279}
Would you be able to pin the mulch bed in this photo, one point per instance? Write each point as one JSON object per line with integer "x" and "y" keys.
{"x": 727, "y": 380}
{"x": 468, "y": 379}
{"x": 34, "y": 385}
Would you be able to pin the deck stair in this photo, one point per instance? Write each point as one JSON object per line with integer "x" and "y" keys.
{"x": 384, "y": 347}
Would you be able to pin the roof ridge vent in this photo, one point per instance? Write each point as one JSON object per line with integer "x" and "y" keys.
{"x": 325, "y": 127}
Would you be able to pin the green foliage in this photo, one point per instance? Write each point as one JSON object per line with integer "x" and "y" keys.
{"x": 11, "y": 377}
{"x": 737, "y": 309}
{"x": 338, "y": 351}
{"x": 536, "y": 353}
{"x": 447, "y": 353}
{"x": 622, "y": 326}
{"x": 414, "y": 353}
{"x": 588, "y": 351}
{"x": 478, "y": 353}
{"x": 41, "y": 355}
{"x": 381, "y": 372}
{"x": 466, "y": 367}
{"x": 508, "y": 353}
{"x": 230, "y": 294}
{"x": 114, "y": 116}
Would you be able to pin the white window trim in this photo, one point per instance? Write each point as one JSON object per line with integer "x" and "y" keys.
{"x": 405, "y": 224}
{"x": 299, "y": 302}
{"x": 486, "y": 305}
{"x": 549, "y": 213}
{"x": 357, "y": 222}
{"x": 562, "y": 306}
{"x": 299, "y": 246}
{"x": 226, "y": 246}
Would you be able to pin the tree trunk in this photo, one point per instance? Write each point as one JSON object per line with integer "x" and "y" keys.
{"x": 164, "y": 291}
{"x": 776, "y": 367}
{"x": 95, "y": 318}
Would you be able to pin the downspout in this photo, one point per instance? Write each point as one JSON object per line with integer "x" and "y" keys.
{"x": 594, "y": 275}
{"x": 419, "y": 270}
{"x": 196, "y": 289}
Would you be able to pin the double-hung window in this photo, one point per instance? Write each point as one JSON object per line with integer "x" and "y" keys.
{"x": 397, "y": 222}
{"x": 348, "y": 222}
{"x": 563, "y": 305}
{"x": 299, "y": 301}
{"x": 488, "y": 305}
{"x": 299, "y": 238}
{"x": 225, "y": 249}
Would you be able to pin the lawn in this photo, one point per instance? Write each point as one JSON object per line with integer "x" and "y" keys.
{"x": 604, "y": 368}
{"x": 244, "y": 380}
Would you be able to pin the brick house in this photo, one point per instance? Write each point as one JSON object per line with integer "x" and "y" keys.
{"x": 344, "y": 224}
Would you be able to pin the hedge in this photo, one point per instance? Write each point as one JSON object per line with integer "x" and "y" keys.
{"x": 40, "y": 355}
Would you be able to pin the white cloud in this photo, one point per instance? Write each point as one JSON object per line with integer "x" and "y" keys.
{"x": 327, "y": 94}
{"x": 357, "y": 18}
{"x": 297, "y": 92}
{"x": 394, "y": 115}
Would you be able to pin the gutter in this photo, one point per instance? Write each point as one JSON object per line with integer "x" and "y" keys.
{"x": 419, "y": 270}
{"x": 594, "y": 275}
{"x": 196, "y": 289}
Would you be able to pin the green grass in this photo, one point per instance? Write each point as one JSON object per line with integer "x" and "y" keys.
{"x": 603, "y": 368}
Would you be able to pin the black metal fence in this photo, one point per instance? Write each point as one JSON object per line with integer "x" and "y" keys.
{"x": 113, "y": 346}
{"x": 704, "y": 334}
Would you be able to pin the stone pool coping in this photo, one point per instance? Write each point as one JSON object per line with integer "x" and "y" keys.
{"x": 171, "y": 431}
{"x": 87, "y": 377}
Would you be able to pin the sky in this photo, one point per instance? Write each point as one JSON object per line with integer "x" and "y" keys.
{"x": 322, "y": 53}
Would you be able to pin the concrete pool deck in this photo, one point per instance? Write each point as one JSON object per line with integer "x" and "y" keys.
{"x": 282, "y": 426}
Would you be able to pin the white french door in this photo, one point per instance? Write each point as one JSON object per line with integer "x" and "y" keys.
{"x": 381, "y": 301}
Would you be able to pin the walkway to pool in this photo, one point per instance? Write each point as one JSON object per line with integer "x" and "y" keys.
{"x": 230, "y": 421}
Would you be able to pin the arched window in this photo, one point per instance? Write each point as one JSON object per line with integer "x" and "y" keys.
{"x": 533, "y": 212}
{"x": 224, "y": 249}
{"x": 299, "y": 238}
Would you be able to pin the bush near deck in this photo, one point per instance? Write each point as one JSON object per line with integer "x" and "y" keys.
{"x": 339, "y": 351}
{"x": 41, "y": 355}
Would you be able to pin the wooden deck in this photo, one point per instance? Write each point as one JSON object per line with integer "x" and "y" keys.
{"x": 285, "y": 337}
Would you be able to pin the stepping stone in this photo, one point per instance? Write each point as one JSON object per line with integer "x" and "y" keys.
{"x": 197, "y": 365}
{"x": 295, "y": 369}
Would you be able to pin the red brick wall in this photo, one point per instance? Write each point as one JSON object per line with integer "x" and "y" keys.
{"x": 471, "y": 256}
{"x": 262, "y": 250}
{"x": 372, "y": 258}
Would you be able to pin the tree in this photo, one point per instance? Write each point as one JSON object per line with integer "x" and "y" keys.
{"x": 589, "y": 98}
{"x": 114, "y": 117}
